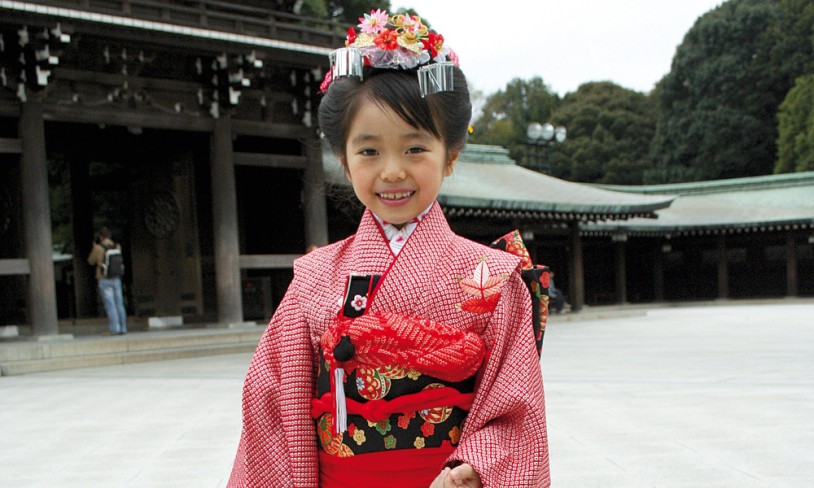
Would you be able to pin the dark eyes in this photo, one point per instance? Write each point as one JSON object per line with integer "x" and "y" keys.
{"x": 373, "y": 152}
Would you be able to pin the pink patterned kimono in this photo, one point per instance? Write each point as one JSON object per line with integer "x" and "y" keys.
{"x": 438, "y": 281}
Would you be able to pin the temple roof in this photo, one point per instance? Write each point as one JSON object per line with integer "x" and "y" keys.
{"x": 487, "y": 183}
{"x": 209, "y": 22}
{"x": 776, "y": 202}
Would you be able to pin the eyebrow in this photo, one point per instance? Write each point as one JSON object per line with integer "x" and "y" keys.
{"x": 363, "y": 138}
{"x": 418, "y": 134}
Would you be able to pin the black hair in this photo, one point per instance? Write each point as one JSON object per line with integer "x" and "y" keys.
{"x": 445, "y": 115}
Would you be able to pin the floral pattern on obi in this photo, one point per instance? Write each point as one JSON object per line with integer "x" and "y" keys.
{"x": 405, "y": 430}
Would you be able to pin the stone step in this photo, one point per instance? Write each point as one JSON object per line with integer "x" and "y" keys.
{"x": 31, "y": 355}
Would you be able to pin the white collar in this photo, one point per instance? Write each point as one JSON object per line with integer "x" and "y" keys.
{"x": 398, "y": 237}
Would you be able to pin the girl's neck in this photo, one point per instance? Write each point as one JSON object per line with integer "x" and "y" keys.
{"x": 401, "y": 225}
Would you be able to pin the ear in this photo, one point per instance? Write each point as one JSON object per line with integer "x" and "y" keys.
{"x": 452, "y": 158}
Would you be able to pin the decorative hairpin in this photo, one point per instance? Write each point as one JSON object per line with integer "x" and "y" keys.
{"x": 400, "y": 41}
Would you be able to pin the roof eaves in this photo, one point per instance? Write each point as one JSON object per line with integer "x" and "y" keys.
{"x": 197, "y": 32}
{"x": 675, "y": 230}
{"x": 720, "y": 186}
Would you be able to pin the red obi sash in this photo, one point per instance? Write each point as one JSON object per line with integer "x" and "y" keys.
{"x": 402, "y": 468}
{"x": 378, "y": 410}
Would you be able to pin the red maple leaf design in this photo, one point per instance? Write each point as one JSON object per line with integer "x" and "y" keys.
{"x": 482, "y": 284}
{"x": 481, "y": 305}
{"x": 484, "y": 288}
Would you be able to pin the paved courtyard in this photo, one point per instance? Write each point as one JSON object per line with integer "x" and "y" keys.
{"x": 709, "y": 396}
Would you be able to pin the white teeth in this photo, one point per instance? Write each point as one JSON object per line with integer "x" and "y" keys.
{"x": 395, "y": 196}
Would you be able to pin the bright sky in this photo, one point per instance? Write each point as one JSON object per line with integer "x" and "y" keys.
{"x": 565, "y": 42}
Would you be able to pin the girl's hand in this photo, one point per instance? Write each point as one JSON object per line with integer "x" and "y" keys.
{"x": 438, "y": 482}
{"x": 463, "y": 475}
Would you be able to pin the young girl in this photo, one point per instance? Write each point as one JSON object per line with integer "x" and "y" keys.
{"x": 402, "y": 356}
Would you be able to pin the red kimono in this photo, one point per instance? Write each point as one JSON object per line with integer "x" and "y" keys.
{"x": 477, "y": 399}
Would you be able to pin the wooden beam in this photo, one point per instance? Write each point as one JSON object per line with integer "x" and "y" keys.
{"x": 271, "y": 160}
{"x": 10, "y": 109}
{"x": 135, "y": 82}
{"x": 10, "y": 146}
{"x": 267, "y": 261}
{"x": 264, "y": 129}
{"x": 116, "y": 116}
{"x": 14, "y": 267}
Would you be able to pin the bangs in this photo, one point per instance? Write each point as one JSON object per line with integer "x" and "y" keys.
{"x": 398, "y": 91}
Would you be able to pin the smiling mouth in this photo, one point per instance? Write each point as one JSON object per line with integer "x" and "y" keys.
{"x": 395, "y": 196}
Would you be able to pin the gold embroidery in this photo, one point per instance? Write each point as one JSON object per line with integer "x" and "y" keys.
{"x": 359, "y": 437}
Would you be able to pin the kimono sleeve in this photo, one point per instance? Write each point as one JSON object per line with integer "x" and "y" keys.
{"x": 504, "y": 437}
{"x": 277, "y": 444}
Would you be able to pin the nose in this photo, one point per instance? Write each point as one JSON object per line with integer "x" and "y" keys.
{"x": 393, "y": 170}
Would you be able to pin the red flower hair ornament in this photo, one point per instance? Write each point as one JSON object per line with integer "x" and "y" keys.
{"x": 399, "y": 41}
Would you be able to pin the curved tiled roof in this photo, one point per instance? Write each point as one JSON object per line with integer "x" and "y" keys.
{"x": 776, "y": 202}
{"x": 487, "y": 183}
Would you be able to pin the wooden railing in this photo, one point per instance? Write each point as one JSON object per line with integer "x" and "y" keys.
{"x": 232, "y": 17}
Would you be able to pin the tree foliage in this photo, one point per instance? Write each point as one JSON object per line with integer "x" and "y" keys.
{"x": 343, "y": 11}
{"x": 717, "y": 106}
{"x": 790, "y": 46}
{"x": 795, "y": 141}
{"x": 507, "y": 113}
{"x": 609, "y": 131}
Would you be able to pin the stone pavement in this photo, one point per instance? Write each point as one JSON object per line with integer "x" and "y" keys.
{"x": 707, "y": 396}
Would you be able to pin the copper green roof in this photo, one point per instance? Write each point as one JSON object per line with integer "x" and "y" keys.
{"x": 487, "y": 183}
{"x": 763, "y": 203}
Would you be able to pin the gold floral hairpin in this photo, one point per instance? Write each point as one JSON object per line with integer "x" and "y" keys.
{"x": 400, "y": 41}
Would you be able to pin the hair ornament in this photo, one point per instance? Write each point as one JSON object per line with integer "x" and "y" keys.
{"x": 346, "y": 61}
{"x": 435, "y": 78}
{"x": 400, "y": 41}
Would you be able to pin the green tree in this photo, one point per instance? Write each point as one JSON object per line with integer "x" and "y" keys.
{"x": 609, "y": 132}
{"x": 314, "y": 8}
{"x": 790, "y": 46}
{"x": 507, "y": 113}
{"x": 795, "y": 140}
{"x": 717, "y": 106}
{"x": 349, "y": 11}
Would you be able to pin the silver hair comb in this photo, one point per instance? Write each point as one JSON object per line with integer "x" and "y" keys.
{"x": 435, "y": 78}
{"x": 346, "y": 61}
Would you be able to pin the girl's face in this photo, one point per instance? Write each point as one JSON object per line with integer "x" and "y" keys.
{"x": 396, "y": 170}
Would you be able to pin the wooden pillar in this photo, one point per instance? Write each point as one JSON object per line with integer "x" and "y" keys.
{"x": 577, "y": 278}
{"x": 316, "y": 214}
{"x": 621, "y": 275}
{"x": 723, "y": 268}
{"x": 42, "y": 297}
{"x": 658, "y": 275}
{"x": 84, "y": 276}
{"x": 225, "y": 226}
{"x": 792, "y": 288}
